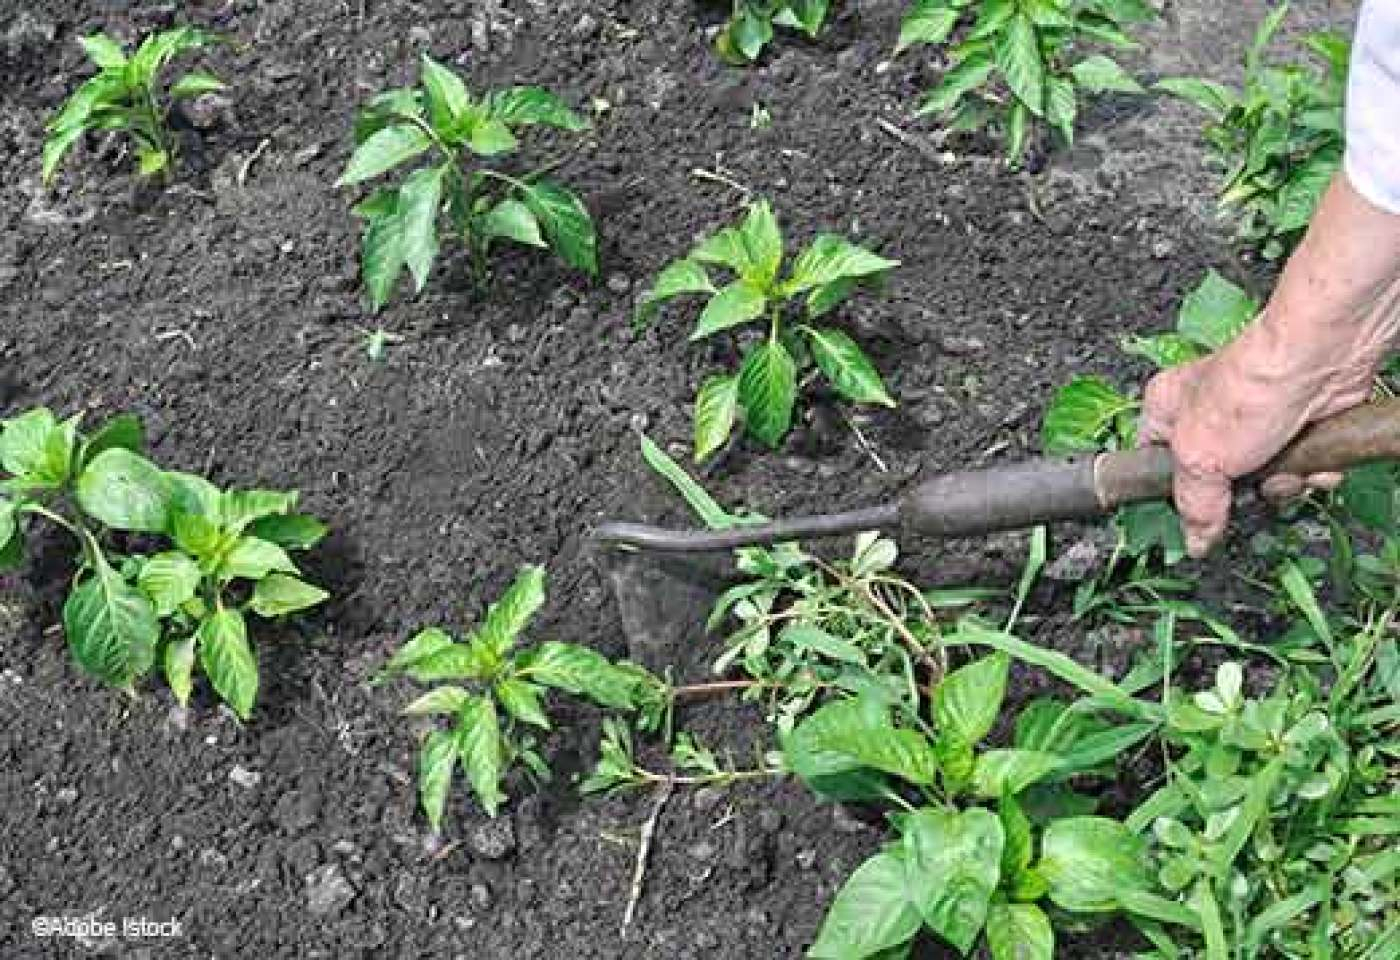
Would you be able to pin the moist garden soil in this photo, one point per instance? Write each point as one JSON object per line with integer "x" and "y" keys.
{"x": 225, "y": 311}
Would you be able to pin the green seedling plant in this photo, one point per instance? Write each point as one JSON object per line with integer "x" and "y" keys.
{"x": 1018, "y": 63}
{"x": 494, "y": 695}
{"x": 447, "y": 199}
{"x": 1278, "y": 140}
{"x": 986, "y": 840}
{"x": 692, "y": 764}
{"x": 169, "y": 566}
{"x": 1277, "y": 826}
{"x": 126, "y": 94}
{"x": 765, "y": 387}
{"x": 750, "y": 26}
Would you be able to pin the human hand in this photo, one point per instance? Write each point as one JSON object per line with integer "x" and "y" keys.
{"x": 1229, "y": 414}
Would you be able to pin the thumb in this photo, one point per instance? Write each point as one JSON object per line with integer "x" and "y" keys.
{"x": 1202, "y": 498}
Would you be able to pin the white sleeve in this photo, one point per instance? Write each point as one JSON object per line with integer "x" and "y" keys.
{"x": 1373, "y": 105}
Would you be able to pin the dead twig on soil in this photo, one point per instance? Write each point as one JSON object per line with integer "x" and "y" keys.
{"x": 864, "y": 444}
{"x": 639, "y": 872}
{"x": 252, "y": 159}
{"x": 929, "y": 151}
{"x": 700, "y": 173}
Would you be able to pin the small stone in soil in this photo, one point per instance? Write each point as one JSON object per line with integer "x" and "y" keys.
{"x": 327, "y": 890}
{"x": 706, "y": 799}
{"x": 67, "y": 796}
{"x": 493, "y": 840}
{"x": 245, "y": 778}
{"x": 480, "y": 895}
{"x": 806, "y": 859}
{"x": 1075, "y": 563}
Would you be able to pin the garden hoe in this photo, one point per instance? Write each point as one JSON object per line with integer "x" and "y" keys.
{"x": 1027, "y": 494}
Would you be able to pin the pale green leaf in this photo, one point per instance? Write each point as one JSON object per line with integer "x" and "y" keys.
{"x": 1019, "y": 931}
{"x": 736, "y": 304}
{"x": 1215, "y": 312}
{"x": 1081, "y": 415}
{"x": 508, "y": 616}
{"x": 846, "y": 366}
{"x": 419, "y": 200}
{"x": 768, "y": 391}
{"x": 228, "y": 660}
{"x": 565, "y": 223}
{"x": 383, "y": 151}
{"x": 927, "y": 21}
{"x": 1099, "y": 74}
{"x": 512, "y": 220}
{"x": 277, "y": 595}
{"x": 168, "y": 580}
{"x": 716, "y": 407}
{"x": 436, "y": 761}
{"x": 111, "y": 627}
{"x": 968, "y": 700}
{"x": 125, "y": 491}
{"x": 872, "y": 913}
{"x": 953, "y": 864}
{"x": 179, "y": 669}
{"x": 481, "y": 751}
{"x": 1087, "y": 860}
{"x": 1017, "y": 53}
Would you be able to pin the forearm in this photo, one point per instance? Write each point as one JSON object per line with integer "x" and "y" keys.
{"x": 1335, "y": 312}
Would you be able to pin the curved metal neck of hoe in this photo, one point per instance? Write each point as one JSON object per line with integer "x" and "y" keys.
{"x": 658, "y": 539}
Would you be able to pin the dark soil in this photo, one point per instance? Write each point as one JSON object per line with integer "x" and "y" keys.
{"x": 225, "y": 311}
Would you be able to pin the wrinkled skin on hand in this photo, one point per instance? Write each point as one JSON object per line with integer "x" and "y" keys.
{"x": 1312, "y": 354}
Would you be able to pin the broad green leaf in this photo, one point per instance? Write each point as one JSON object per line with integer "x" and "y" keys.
{"x": 456, "y": 661}
{"x": 1018, "y": 125}
{"x": 679, "y": 277}
{"x": 481, "y": 750}
{"x": 420, "y": 646}
{"x": 228, "y": 661}
{"x": 1302, "y": 192}
{"x": 831, "y": 772}
{"x": 1215, "y": 312}
{"x": 1019, "y": 846}
{"x": 1047, "y": 13}
{"x": 531, "y": 105}
{"x": 151, "y": 162}
{"x": 1088, "y": 860}
{"x": 445, "y": 94}
{"x": 1300, "y": 593}
{"x": 1061, "y": 107}
{"x": 966, "y": 75}
{"x": 1149, "y": 525}
{"x": 736, "y": 304}
{"x": 804, "y": 15}
{"x": 383, "y": 255}
{"x": 194, "y": 495}
{"x": 846, "y": 366}
{"x": 1262, "y": 37}
{"x": 1105, "y": 30}
{"x": 125, "y": 491}
{"x": 277, "y": 595}
{"x": 56, "y": 147}
{"x": 446, "y": 699}
{"x": 953, "y": 864}
{"x": 746, "y": 34}
{"x": 512, "y": 220}
{"x": 179, "y": 669}
{"x": 490, "y": 137}
{"x": 168, "y": 579}
{"x": 768, "y": 391}
{"x": 419, "y": 200}
{"x": 239, "y": 508}
{"x": 24, "y": 442}
{"x": 1215, "y": 98}
{"x": 992, "y": 17}
{"x": 582, "y": 672}
{"x": 927, "y": 21}
{"x": 806, "y": 637}
{"x": 968, "y": 700}
{"x": 763, "y": 242}
{"x": 291, "y": 531}
{"x": 103, "y": 51}
{"x": 870, "y": 914}
{"x": 11, "y": 538}
{"x": 1017, "y": 53}
{"x": 253, "y": 559}
{"x": 196, "y": 83}
{"x": 1368, "y": 493}
{"x": 111, "y": 627}
{"x": 1163, "y": 349}
{"x": 830, "y": 258}
{"x": 1080, "y": 416}
{"x": 198, "y": 537}
{"x": 1098, "y": 74}
{"x": 565, "y": 222}
{"x": 522, "y": 701}
{"x": 716, "y": 406}
{"x": 122, "y": 431}
{"x": 849, "y": 734}
{"x": 383, "y": 151}
{"x": 507, "y": 617}
{"x": 158, "y": 49}
{"x": 1019, "y": 931}
{"x": 389, "y": 107}
{"x": 436, "y": 761}
{"x": 1010, "y": 771}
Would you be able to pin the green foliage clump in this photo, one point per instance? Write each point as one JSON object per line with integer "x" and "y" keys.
{"x": 750, "y": 25}
{"x": 126, "y": 95}
{"x": 765, "y": 387}
{"x": 169, "y": 565}
{"x": 1020, "y": 62}
{"x": 441, "y": 118}
{"x": 1278, "y": 140}
{"x": 504, "y": 695}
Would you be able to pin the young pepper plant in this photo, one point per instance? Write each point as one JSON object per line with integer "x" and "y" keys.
{"x": 126, "y": 95}
{"x": 750, "y": 26}
{"x": 765, "y": 387}
{"x": 993, "y": 833}
{"x": 183, "y": 606}
{"x": 1278, "y": 140}
{"x": 1020, "y": 60}
{"x": 503, "y": 696}
{"x": 441, "y": 118}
